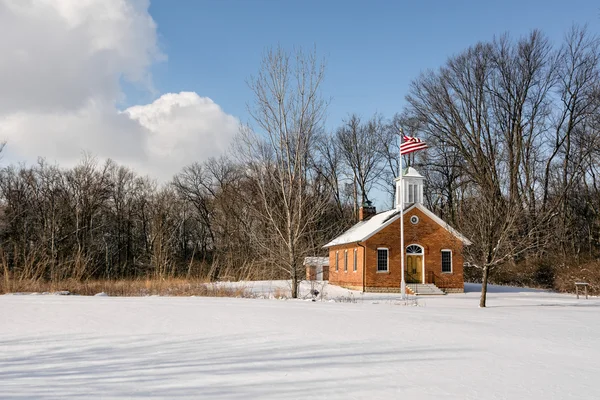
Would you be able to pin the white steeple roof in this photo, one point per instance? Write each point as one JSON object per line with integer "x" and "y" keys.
{"x": 411, "y": 172}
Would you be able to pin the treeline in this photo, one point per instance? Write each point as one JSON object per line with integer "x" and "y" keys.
{"x": 513, "y": 129}
{"x": 284, "y": 190}
{"x": 219, "y": 219}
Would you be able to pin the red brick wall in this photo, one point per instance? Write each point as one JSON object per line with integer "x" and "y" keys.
{"x": 348, "y": 279}
{"x": 428, "y": 234}
{"x": 311, "y": 272}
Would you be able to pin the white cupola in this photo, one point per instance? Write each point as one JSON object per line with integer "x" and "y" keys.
{"x": 413, "y": 187}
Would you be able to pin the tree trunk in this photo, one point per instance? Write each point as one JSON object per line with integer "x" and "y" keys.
{"x": 484, "y": 283}
{"x": 294, "y": 283}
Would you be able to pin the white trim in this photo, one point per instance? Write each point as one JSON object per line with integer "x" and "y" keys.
{"x": 442, "y": 223}
{"x": 425, "y": 211}
{"x": 451, "y": 266}
{"x": 422, "y": 254}
{"x": 355, "y": 260}
{"x": 346, "y": 261}
{"x": 388, "y": 223}
{"x": 389, "y": 218}
{"x": 387, "y": 271}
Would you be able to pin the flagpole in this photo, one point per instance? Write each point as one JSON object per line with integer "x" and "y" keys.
{"x": 401, "y": 194}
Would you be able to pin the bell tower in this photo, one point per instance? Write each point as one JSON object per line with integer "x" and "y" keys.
{"x": 413, "y": 187}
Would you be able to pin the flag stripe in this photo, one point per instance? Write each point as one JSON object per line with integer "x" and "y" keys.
{"x": 412, "y": 139}
{"x": 408, "y": 145}
{"x": 411, "y": 144}
{"x": 406, "y": 150}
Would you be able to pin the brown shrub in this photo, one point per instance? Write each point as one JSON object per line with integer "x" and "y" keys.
{"x": 542, "y": 273}
{"x": 566, "y": 277}
{"x": 123, "y": 287}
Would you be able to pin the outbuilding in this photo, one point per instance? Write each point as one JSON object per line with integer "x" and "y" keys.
{"x": 317, "y": 268}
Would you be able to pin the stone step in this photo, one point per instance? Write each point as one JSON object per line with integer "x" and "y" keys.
{"x": 424, "y": 289}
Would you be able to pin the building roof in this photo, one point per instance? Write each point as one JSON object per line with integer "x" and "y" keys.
{"x": 411, "y": 172}
{"x": 363, "y": 230}
{"x": 316, "y": 261}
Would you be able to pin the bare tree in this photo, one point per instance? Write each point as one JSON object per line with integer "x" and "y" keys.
{"x": 488, "y": 105}
{"x": 288, "y": 113}
{"x": 195, "y": 185}
{"x": 330, "y": 168}
{"x": 389, "y": 149}
{"x": 361, "y": 150}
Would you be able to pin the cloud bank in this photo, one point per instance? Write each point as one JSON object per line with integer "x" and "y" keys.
{"x": 61, "y": 75}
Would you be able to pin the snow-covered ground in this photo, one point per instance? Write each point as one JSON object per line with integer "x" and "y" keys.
{"x": 527, "y": 345}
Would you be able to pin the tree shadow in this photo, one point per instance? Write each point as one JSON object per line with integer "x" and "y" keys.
{"x": 476, "y": 287}
{"x": 227, "y": 367}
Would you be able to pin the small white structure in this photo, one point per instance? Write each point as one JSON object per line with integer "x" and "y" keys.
{"x": 317, "y": 268}
{"x": 413, "y": 187}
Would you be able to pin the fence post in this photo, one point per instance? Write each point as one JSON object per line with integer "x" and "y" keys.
{"x": 585, "y": 286}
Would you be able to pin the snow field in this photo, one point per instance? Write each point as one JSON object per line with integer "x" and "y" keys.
{"x": 526, "y": 345}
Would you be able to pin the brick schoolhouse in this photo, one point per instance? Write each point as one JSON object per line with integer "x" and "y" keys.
{"x": 367, "y": 256}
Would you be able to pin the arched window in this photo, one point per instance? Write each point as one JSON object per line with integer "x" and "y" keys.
{"x": 414, "y": 249}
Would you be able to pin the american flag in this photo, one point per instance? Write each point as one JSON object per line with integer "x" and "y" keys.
{"x": 411, "y": 144}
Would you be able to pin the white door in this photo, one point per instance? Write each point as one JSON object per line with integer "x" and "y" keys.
{"x": 319, "y": 273}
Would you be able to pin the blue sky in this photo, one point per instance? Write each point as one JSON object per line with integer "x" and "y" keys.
{"x": 75, "y": 76}
{"x": 373, "y": 48}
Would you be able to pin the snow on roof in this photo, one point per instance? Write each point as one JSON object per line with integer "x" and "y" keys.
{"x": 365, "y": 229}
{"x": 410, "y": 171}
{"x": 316, "y": 261}
{"x": 444, "y": 225}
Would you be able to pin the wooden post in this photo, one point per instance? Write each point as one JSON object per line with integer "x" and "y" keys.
{"x": 585, "y": 286}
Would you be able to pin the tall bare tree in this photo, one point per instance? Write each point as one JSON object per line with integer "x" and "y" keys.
{"x": 288, "y": 114}
{"x": 330, "y": 167}
{"x": 361, "y": 149}
{"x": 489, "y": 105}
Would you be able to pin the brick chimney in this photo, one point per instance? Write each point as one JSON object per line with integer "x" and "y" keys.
{"x": 366, "y": 211}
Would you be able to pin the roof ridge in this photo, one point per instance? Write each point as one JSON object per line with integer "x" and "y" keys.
{"x": 363, "y": 230}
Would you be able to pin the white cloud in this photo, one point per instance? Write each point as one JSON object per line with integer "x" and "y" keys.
{"x": 60, "y": 75}
{"x": 182, "y": 128}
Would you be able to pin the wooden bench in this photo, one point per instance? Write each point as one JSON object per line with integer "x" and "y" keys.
{"x": 584, "y": 285}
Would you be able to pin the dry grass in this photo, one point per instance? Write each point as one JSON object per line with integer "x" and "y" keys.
{"x": 566, "y": 277}
{"x": 123, "y": 287}
{"x": 546, "y": 274}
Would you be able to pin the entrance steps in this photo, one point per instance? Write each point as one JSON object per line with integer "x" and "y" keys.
{"x": 424, "y": 289}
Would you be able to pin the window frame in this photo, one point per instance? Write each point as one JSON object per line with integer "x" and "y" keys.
{"x": 346, "y": 261}
{"x": 442, "y": 261}
{"x": 355, "y": 261}
{"x": 421, "y": 250}
{"x": 387, "y": 260}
